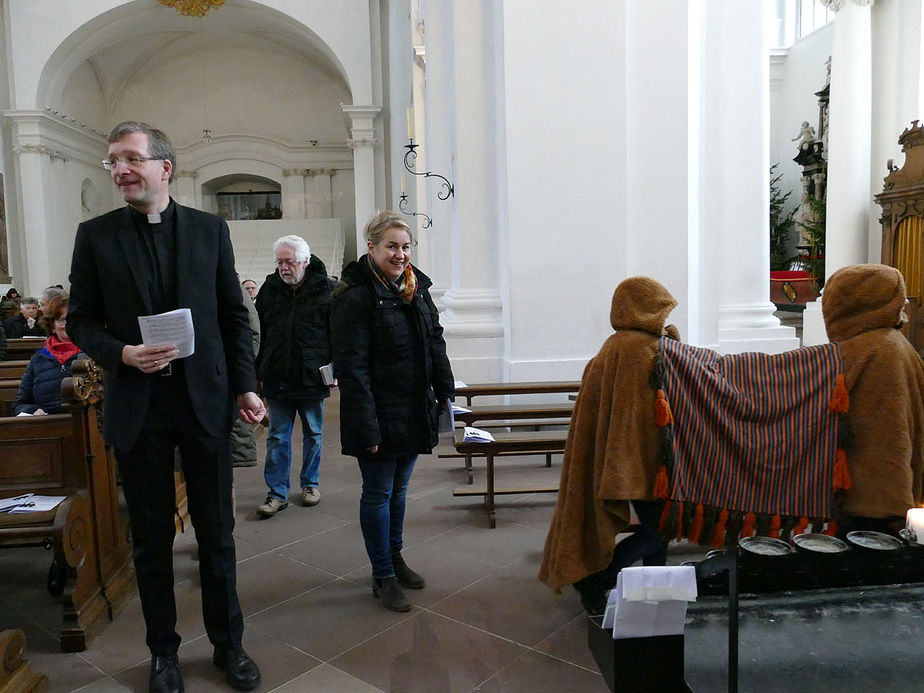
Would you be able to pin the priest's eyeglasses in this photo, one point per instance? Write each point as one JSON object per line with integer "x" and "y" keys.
{"x": 130, "y": 161}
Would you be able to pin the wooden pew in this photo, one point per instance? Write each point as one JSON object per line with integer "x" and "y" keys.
{"x": 15, "y": 674}
{"x": 64, "y": 455}
{"x": 523, "y": 388}
{"x": 13, "y": 370}
{"x": 23, "y": 348}
{"x": 512, "y": 443}
{"x": 556, "y": 413}
{"x": 9, "y": 388}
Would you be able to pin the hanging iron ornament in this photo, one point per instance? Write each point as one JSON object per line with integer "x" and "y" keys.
{"x": 403, "y": 203}
{"x": 409, "y": 162}
{"x": 192, "y": 8}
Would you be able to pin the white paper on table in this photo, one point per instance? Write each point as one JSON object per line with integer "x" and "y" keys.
{"x": 637, "y": 617}
{"x": 38, "y": 504}
{"x": 24, "y": 413}
{"x": 7, "y": 503}
{"x": 458, "y": 384}
{"x": 475, "y": 435}
{"x": 456, "y": 409}
{"x": 609, "y": 614}
{"x": 174, "y": 327}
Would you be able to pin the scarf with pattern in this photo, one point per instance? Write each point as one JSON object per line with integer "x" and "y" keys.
{"x": 405, "y": 287}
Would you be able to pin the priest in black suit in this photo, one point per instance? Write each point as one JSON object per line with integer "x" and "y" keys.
{"x": 150, "y": 257}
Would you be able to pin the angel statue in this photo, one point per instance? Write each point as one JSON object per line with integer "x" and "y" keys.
{"x": 806, "y": 135}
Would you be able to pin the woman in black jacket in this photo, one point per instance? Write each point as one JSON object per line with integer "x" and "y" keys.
{"x": 390, "y": 360}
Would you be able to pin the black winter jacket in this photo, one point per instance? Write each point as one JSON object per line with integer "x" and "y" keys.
{"x": 17, "y": 328}
{"x": 391, "y": 364}
{"x": 40, "y": 387}
{"x": 294, "y": 334}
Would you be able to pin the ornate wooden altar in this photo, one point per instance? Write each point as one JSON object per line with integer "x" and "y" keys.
{"x": 902, "y": 202}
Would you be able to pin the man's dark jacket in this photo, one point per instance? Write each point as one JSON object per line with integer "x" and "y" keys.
{"x": 391, "y": 364}
{"x": 108, "y": 294}
{"x": 17, "y": 327}
{"x": 294, "y": 334}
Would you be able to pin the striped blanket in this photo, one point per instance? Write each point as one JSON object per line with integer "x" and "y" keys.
{"x": 750, "y": 440}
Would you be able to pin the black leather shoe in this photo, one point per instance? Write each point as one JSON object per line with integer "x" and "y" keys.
{"x": 390, "y": 593}
{"x": 241, "y": 672}
{"x": 165, "y": 675}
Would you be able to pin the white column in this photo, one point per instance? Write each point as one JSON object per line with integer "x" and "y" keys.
{"x": 735, "y": 190}
{"x": 318, "y": 194}
{"x": 849, "y": 142}
{"x": 363, "y": 144}
{"x": 293, "y": 196}
{"x": 472, "y": 316}
{"x": 849, "y": 136}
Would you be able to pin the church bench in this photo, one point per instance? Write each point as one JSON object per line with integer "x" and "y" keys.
{"x": 64, "y": 455}
{"x": 13, "y": 370}
{"x": 513, "y": 416}
{"x": 15, "y": 674}
{"x": 9, "y": 389}
{"x": 506, "y": 444}
{"x": 23, "y": 348}
{"x": 521, "y": 388}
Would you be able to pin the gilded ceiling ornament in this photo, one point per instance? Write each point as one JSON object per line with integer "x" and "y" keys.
{"x": 192, "y": 8}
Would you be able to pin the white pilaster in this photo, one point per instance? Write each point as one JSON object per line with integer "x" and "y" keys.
{"x": 293, "y": 196}
{"x": 363, "y": 143}
{"x": 318, "y": 194}
{"x": 735, "y": 177}
{"x": 185, "y": 182}
{"x": 34, "y": 171}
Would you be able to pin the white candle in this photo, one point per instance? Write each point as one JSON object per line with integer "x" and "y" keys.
{"x": 410, "y": 123}
{"x": 914, "y": 521}
{"x": 403, "y": 184}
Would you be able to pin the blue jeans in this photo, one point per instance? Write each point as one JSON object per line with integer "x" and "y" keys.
{"x": 279, "y": 444}
{"x": 381, "y": 509}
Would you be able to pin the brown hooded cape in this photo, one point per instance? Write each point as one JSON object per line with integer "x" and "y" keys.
{"x": 862, "y": 306}
{"x": 611, "y": 455}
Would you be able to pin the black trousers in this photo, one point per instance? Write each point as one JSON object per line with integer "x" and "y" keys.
{"x": 148, "y": 483}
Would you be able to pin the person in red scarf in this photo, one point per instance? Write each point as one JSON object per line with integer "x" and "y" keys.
{"x": 40, "y": 388}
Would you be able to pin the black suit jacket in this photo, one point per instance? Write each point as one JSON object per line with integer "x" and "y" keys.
{"x": 108, "y": 294}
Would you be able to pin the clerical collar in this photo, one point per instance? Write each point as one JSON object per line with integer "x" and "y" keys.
{"x": 153, "y": 218}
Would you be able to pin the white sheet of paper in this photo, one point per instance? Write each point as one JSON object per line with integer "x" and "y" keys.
{"x": 470, "y": 434}
{"x": 174, "y": 327}
{"x": 8, "y": 503}
{"x": 458, "y": 384}
{"x": 38, "y": 504}
{"x": 609, "y": 614}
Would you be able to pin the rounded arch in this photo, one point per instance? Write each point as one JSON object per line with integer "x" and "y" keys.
{"x": 162, "y": 29}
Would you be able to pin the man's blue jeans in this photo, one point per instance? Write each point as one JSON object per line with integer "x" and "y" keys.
{"x": 279, "y": 443}
{"x": 381, "y": 509}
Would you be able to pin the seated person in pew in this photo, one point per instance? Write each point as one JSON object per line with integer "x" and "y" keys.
{"x": 40, "y": 388}
{"x": 2, "y": 344}
{"x": 863, "y": 309}
{"x": 9, "y": 304}
{"x": 26, "y": 323}
{"x": 612, "y": 453}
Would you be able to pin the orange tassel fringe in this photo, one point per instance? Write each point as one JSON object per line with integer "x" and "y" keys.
{"x": 719, "y": 537}
{"x": 775, "y": 523}
{"x": 680, "y": 521}
{"x": 842, "y": 478}
{"x": 663, "y": 414}
{"x": 696, "y": 527}
{"x": 802, "y": 526}
{"x": 831, "y": 529}
{"x": 840, "y": 400}
{"x": 661, "y": 483}
{"x": 666, "y": 513}
{"x": 749, "y": 526}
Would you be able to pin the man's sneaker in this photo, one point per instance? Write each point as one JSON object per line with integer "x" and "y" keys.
{"x": 271, "y": 506}
{"x": 310, "y": 496}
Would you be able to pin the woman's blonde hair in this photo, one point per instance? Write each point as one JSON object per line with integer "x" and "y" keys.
{"x": 381, "y": 222}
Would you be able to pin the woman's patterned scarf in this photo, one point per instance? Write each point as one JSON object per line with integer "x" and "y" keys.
{"x": 406, "y": 287}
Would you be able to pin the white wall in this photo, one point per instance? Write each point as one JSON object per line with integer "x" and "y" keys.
{"x": 565, "y": 181}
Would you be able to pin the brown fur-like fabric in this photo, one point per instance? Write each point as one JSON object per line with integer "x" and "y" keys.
{"x": 611, "y": 455}
{"x": 862, "y": 305}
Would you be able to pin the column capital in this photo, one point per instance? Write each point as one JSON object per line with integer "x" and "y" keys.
{"x": 40, "y": 149}
{"x": 838, "y": 5}
{"x": 319, "y": 171}
{"x": 361, "y": 142}
{"x": 289, "y": 172}
{"x": 186, "y": 174}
